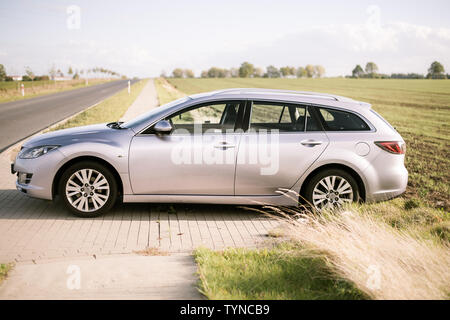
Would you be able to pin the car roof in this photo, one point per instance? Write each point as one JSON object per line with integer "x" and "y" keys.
{"x": 282, "y": 95}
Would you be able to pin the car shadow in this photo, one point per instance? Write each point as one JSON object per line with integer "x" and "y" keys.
{"x": 15, "y": 205}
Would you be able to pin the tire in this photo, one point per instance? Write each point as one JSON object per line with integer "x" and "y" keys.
{"x": 100, "y": 190}
{"x": 320, "y": 196}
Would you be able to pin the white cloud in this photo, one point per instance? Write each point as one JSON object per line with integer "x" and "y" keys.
{"x": 395, "y": 47}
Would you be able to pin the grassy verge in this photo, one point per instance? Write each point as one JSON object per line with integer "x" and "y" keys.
{"x": 410, "y": 215}
{"x": 280, "y": 273}
{"x": 383, "y": 261}
{"x": 389, "y": 250}
{"x": 109, "y": 110}
{"x": 9, "y": 91}
{"x": 4, "y": 269}
{"x": 166, "y": 92}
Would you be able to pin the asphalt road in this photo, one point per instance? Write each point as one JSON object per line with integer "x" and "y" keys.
{"x": 21, "y": 119}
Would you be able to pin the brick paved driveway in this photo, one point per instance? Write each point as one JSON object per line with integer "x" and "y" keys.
{"x": 33, "y": 229}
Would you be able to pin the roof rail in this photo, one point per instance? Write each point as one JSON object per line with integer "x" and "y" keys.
{"x": 260, "y": 90}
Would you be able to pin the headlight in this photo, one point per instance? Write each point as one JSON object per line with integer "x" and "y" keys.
{"x": 35, "y": 152}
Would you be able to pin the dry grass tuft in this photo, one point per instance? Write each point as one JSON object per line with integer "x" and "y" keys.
{"x": 382, "y": 261}
{"x": 151, "y": 251}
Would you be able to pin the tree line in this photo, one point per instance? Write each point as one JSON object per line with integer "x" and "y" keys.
{"x": 435, "y": 71}
{"x": 54, "y": 73}
{"x": 248, "y": 70}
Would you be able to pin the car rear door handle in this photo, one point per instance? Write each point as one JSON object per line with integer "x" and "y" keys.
{"x": 224, "y": 145}
{"x": 311, "y": 142}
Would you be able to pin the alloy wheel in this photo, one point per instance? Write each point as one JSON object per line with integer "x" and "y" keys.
{"x": 332, "y": 192}
{"x": 87, "y": 190}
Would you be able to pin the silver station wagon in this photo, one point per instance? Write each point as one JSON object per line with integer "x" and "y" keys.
{"x": 234, "y": 146}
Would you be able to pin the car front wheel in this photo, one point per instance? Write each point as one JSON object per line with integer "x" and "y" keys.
{"x": 331, "y": 189}
{"x": 88, "y": 189}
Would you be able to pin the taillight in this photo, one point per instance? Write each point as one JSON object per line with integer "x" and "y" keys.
{"x": 396, "y": 147}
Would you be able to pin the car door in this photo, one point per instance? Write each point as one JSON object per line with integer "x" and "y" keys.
{"x": 283, "y": 140}
{"x": 197, "y": 158}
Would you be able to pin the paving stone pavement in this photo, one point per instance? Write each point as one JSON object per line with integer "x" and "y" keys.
{"x": 32, "y": 229}
{"x": 41, "y": 237}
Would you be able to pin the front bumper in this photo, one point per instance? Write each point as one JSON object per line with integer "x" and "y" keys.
{"x": 42, "y": 171}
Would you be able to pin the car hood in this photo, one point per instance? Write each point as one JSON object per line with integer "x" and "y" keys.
{"x": 67, "y": 136}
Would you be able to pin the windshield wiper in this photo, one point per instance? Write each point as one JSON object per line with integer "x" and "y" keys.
{"x": 115, "y": 125}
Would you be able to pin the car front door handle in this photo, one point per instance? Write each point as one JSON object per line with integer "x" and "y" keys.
{"x": 224, "y": 145}
{"x": 311, "y": 142}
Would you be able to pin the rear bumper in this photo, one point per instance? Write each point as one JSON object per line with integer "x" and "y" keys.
{"x": 390, "y": 183}
{"x": 386, "y": 195}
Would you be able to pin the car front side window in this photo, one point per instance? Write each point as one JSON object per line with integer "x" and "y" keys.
{"x": 213, "y": 117}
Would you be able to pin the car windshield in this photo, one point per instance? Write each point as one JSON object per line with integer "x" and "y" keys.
{"x": 154, "y": 112}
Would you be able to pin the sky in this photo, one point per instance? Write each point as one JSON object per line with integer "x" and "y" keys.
{"x": 145, "y": 38}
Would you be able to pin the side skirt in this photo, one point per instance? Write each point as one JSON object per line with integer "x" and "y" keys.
{"x": 281, "y": 200}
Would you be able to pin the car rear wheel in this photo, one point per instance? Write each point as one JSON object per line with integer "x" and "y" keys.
{"x": 331, "y": 189}
{"x": 88, "y": 189}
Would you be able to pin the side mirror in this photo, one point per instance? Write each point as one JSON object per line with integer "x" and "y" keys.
{"x": 163, "y": 127}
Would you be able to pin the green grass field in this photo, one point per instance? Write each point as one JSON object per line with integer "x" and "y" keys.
{"x": 419, "y": 109}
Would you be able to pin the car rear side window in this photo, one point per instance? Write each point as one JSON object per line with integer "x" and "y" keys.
{"x": 336, "y": 120}
{"x": 277, "y": 116}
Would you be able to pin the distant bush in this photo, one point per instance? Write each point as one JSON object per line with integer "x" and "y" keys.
{"x": 26, "y": 78}
{"x": 41, "y": 78}
{"x": 436, "y": 71}
{"x": 272, "y": 72}
{"x": 407, "y": 76}
{"x": 215, "y": 72}
{"x": 188, "y": 73}
{"x": 182, "y": 73}
{"x": 436, "y": 76}
{"x": 386, "y": 76}
{"x": 248, "y": 70}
